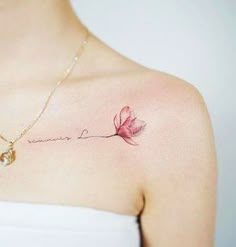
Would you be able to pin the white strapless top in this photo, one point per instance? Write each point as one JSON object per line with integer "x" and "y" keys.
{"x": 51, "y": 225}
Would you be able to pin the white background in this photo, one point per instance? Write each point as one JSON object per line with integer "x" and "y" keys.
{"x": 194, "y": 40}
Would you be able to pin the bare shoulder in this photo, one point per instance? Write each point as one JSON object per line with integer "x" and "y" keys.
{"x": 176, "y": 113}
{"x": 177, "y": 160}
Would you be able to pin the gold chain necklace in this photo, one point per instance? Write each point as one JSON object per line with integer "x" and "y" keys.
{"x": 9, "y": 156}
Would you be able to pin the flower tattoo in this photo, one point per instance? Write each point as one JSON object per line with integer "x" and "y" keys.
{"x": 126, "y": 125}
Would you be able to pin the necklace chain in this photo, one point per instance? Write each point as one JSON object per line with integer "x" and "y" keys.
{"x": 67, "y": 72}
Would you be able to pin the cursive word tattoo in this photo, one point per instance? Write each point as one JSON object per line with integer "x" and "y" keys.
{"x": 126, "y": 125}
{"x": 51, "y": 139}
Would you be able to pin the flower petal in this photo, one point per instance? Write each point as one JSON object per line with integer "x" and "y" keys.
{"x": 124, "y": 114}
{"x": 138, "y": 127}
{"x": 127, "y": 121}
{"x": 133, "y": 122}
{"x": 116, "y": 122}
{"x": 130, "y": 141}
{"x": 125, "y": 132}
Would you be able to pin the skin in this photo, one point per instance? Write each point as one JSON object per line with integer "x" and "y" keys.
{"x": 168, "y": 180}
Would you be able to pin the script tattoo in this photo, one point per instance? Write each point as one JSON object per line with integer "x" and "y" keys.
{"x": 51, "y": 139}
{"x": 126, "y": 125}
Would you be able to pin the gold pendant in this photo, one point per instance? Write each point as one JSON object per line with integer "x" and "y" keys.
{"x": 8, "y": 157}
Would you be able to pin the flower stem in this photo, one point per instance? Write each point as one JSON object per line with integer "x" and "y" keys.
{"x": 86, "y": 137}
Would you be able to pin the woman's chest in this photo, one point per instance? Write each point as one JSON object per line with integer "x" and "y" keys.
{"x": 74, "y": 159}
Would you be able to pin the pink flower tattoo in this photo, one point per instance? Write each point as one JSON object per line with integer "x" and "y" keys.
{"x": 126, "y": 124}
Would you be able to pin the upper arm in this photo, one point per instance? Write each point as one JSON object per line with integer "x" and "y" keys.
{"x": 179, "y": 170}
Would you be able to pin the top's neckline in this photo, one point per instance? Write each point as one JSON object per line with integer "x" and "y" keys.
{"x": 63, "y": 206}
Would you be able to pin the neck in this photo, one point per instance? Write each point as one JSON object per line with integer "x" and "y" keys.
{"x": 36, "y": 35}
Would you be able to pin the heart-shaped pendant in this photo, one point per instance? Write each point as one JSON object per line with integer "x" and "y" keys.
{"x": 8, "y": 157}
